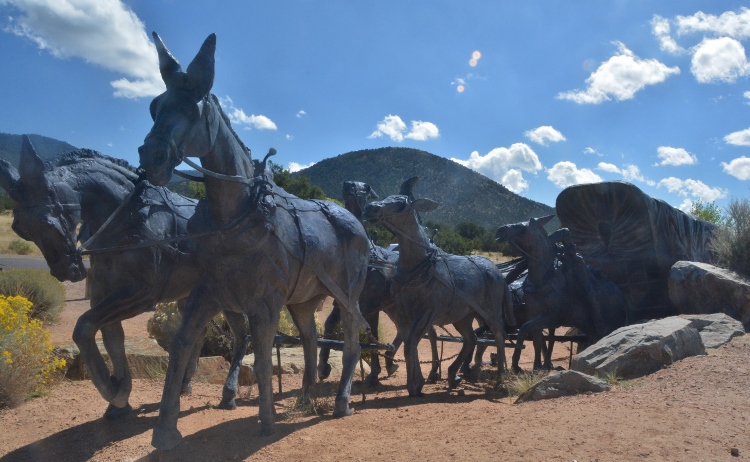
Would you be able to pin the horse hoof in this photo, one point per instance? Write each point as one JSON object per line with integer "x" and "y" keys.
{"x": 267, "y": 430}
{"x": 343, "y": 413}
{"x": 187, "y": 388}
{"x": 391, "y": 369}
{"x": 324, "y": 370}
{"x": 116, "y": 413}
{"x": 454, "y": 382}
{"x": 517, "y": 370}
{"x": 165, "y": 439}
{"x": 229, "y": 405}
{"x": 372, "y": 381}
{"x": 493, "y": 359}
{"x": 433, "y": 377}
{"x": 416, "y": 394}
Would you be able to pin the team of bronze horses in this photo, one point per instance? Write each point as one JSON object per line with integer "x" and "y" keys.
{"x": 248, "y": 248}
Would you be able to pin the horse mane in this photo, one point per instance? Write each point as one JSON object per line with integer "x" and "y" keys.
{"x": 81, "y": 156}
{"x": 229, "y": 124}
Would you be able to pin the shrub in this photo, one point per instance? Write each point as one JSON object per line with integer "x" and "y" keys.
{"x": 20, "y": 247}
{"x": 27, "y": 364}
{"x": 165, "y": 322}
{"x": 45, "y": 292}
{"x": 732, "y": 240}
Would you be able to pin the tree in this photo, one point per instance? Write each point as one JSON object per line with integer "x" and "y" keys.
{"x": 299, "y": 185}
{"x": 709, "y": 212}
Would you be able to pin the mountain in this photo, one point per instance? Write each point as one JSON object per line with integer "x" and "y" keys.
{"x": 47, "y": 148}
{"x": 464, "y": 195}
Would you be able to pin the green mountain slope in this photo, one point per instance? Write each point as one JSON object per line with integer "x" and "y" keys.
{"x": 464, "y": 195}
{"x": 47, "y": 148}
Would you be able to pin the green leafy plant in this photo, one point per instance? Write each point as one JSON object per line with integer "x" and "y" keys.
{"x": 20, "y": 247}
{"x": 46, "y": 293}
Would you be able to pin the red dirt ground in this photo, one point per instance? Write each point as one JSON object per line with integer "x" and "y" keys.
{"x": 696, "y": 409}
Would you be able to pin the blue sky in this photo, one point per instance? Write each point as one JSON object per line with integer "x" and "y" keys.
{"x": 536, "y": 95}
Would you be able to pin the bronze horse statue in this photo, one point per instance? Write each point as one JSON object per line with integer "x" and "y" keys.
{"x": 559, "y": 289}
{"x": 376, "y": 295}
{"x": 85, "y": 187}
{"x": 434, "y": 288}
{"x": 262, "y": 247}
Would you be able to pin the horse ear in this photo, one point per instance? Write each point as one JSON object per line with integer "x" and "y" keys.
{"x": 407, "y": 187}
{"x": 30, "y": 165}
{"x": 8, "y": 177}
{"x": 168, "y": 65}
{"x": 371, "y": 194}
{"x": 544, "y": 220}
{"x": 201, "y": 70}
{"x": 425, "y": 205}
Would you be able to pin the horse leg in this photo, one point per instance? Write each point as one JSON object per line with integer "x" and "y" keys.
{"x": 324, "y": 369}
{"x": 414, "y": 379}
{"x": 466, "y": 368}
{"x": 372, "y": 378}
{"x": 113, "y": 337}
{"x": 124, "y": 303}
{"x": 534, "y": 325}
{"x": 390, "y": 366}
{"x": 263, "y": 331}
{"x": 434, "y": 375}
{"x": 548, "y": 354}
{"x": 200, "y": 308}
{"x": 539, "y": 345}
{"x": 236, "y": 323}
{"x": 303, "y": 315}
{"x": 351, "y": 355}
{"x": 465, "y": 328}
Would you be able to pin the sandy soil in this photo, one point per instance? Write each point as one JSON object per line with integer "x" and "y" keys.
{"x": 697, "y": 409}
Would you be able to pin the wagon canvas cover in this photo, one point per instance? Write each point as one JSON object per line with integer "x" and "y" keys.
{"x": 633, "y": 239}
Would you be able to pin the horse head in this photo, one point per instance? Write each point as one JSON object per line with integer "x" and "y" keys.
{"x": 46, "y": 213}
{"x": 184, "y": 120}
{"x": 356, "y": 195}
{"x": 399, "y": 212}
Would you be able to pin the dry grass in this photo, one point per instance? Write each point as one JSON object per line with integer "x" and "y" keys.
{"x": 7, "y": 235}
{"x": 518, "y": 384}
{"x": 494, "y": 257}
{"x": 317, "y": 400}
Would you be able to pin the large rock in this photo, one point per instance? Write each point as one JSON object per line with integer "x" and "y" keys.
{"x": 145, "y": 358}
{"x": 715, "y": 329}
{"x": 563, "y": 383}
{"x": 292, "y": 362}
{"x": 700, "y": 288}
{"x": 640, "y": 349}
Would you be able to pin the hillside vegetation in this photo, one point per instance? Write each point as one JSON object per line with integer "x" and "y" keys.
{"x": 465, "y": 196}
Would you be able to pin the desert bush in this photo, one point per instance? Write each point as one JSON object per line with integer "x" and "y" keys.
{"x": 27, "y": 364}
{"x": 165, "y": 322}
{"x": 45, "y": 293}
{"x": 317, "y": 400}
{"x": 732, "y": 240}
{"x": 20, "y": 247}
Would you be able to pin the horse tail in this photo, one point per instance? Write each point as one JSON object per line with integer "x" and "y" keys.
{"x": 510, "y": 318}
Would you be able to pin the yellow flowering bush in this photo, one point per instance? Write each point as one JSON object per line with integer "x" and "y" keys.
{"x": 27, "y": 363}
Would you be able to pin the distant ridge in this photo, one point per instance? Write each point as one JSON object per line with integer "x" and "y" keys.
{"x": 46, "y": 148}
{"x": 464, "y": 195}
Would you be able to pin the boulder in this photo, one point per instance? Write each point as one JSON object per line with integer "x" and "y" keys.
{"x": 715, "y": 329}
{"x": 563, "y": 383}
{"x": 146, "y": 358}
{"x": 292, "y": 362}
{"x": 700, "y": 288}
{"x": 640, "y": 349}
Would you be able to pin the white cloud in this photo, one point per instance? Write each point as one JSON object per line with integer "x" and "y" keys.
{"x": 564, "y": 174}
{"x": 661, "y": 29}
{"x": 301, "y": 113}
{"x": 541, "y": 135}
{"x": 296, "y": 167}
{"x": 675, "y": 156}
{"x": 728, "y": 24}
{"x": 288, "y": 137}
{"x": 102, "y": 32}
{"x": 393, "y": 127}
{"x": 746, "y": 95}
{"x": 590, "y": 150}
{"x": 629, "y": 172}
{"x": 740, "y": 138}
{"x": 513, "y": 180}
{"x": 694, "y": 189}
{"x": 238, "y": 117}
{"x": 422, "y": 131}
{"x": 719, "y": 60}
{"x": 738, "y": 168}
{"x": 500, "y": 162}
{"x": 620, "y": 77}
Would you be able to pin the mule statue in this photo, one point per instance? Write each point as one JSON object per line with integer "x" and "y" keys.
{"x": 376, "y": 295}
{"x": 262, "y": 247}
{"x": 434, "y": 288}
{"x": 561, "y": 290}
{"x": 85, "y": 187}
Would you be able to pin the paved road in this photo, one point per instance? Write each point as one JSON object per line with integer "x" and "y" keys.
{"x": 25, "y": 261}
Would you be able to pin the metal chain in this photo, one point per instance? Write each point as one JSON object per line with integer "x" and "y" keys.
{"x": 427, "y": 361}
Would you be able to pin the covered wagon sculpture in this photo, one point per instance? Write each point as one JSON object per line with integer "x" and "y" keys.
{"x": 634, "y": 240}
